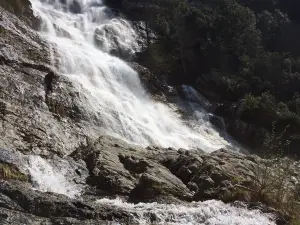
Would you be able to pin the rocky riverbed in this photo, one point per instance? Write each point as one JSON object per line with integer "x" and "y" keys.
{"x": 113, "y": 169}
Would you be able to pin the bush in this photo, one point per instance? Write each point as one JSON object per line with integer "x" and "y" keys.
{"x": 250, "y": 102}
{"x": 273, "y": 182}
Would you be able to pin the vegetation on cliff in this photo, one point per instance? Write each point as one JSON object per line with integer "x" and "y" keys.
{"x": 239, "y": 52}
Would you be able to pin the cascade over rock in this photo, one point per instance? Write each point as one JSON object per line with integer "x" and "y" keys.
{"x": 71, "y": 83}
{"x": 76, "y": 120}
{"x": 154, "y": 175}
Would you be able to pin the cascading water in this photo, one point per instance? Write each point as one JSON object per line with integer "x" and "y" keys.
{"x": 82, "y": 32}
{"x": 53, "y": 178}
{"x": 202, "y": 213}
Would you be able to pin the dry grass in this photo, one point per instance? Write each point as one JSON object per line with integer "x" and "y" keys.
{"x": 275, "y": 182}
{"x": 10, "y": 172}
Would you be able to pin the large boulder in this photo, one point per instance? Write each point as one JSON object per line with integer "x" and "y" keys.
{"x": 117, "y": 168}
{"x": 165, "y": 175}
{"x": 210, "y": 175}
{"x": 20, "y": 204}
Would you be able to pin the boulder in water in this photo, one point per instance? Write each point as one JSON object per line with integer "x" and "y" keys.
{"x": 117, "y": 38}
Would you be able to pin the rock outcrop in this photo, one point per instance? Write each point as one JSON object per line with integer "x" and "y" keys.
{"x": 41, "y": 111}
{"x": 118, "y": 169}
{"x": 157, "y": 174}
{"x": 22, "y": 205}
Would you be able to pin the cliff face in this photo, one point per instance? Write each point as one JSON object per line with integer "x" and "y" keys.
{"x": 40, "y": 110}
{"x": 22, "y": 9}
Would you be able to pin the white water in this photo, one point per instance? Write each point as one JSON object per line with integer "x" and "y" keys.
{"x": 202, "y": 213}
{"x": 51, "y": 178}
{"x": 110, "y": 89}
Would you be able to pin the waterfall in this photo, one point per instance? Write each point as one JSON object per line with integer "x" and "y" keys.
{"x": 53, "y": 177}
{"x": 83, "y": 33}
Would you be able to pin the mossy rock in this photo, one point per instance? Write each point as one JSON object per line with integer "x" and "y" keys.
{"x": 10, "y": 172}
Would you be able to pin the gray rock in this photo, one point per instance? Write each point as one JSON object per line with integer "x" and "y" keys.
{"x": 41, "y": 112}
{"x": 217, "y": 121}
{"x": 19, "y": 204}
{"x": 117, "y": 168}
{"x": 138, "y": 175}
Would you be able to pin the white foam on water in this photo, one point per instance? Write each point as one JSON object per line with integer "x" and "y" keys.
{"x": 203, "y": 213}
{"x": 112, "y": 90}
{"x": 47, "y": 177}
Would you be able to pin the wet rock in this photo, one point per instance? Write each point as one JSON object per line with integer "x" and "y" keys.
{"x": 148, "y": 175}
{"x": 209, "y": 175}
{"x": 75, "y": 7}
{"x": 19, "y": 204}
{"x": 159, "y": 188}
{"x": 217, "y": 121}
{"x": 41, "y": 112}
{"x": 138, "y": 175}
{"x": 117, "y": 168}
{"x": 119, "y": 39}
{"x": 152, "y": 83}
{"x": 49, "y": 80}
{"x": 249, "y": 134}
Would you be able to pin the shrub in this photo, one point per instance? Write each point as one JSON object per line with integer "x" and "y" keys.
{"x": 250, "y": 102}
{"x": 273, "y": 181}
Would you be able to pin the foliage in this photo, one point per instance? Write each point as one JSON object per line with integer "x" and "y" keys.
{"x": 250, "y": 102}
{"x": 252, "y": 44}
{"x": 273, "y": 182}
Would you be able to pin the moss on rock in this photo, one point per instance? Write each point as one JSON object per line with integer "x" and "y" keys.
{"x": 10, "y": 172}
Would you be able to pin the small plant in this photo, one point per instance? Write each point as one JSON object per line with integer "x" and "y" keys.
{"x": 10, "y": 172}
{"x": 250, "y": 102}
{"x": 273, "y": 178}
